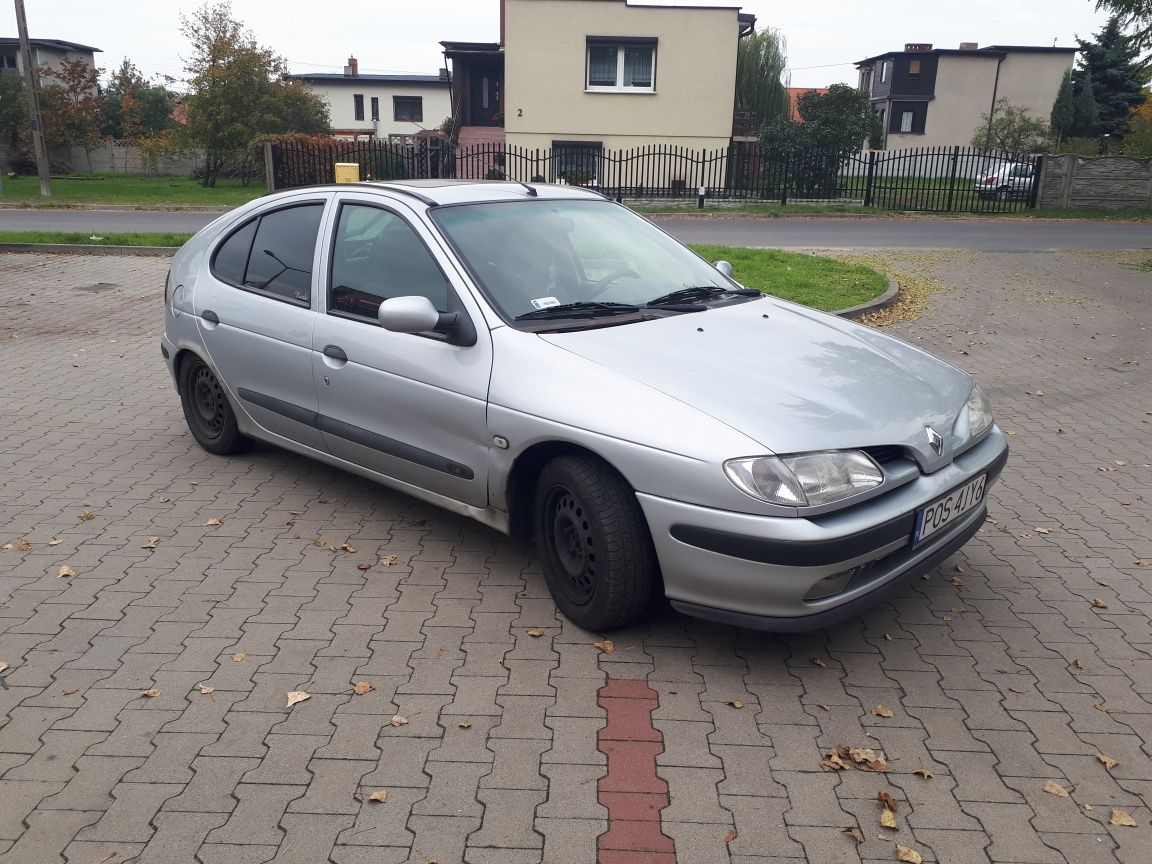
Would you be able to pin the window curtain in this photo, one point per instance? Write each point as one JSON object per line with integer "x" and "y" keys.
{"x": 637, "y": 67}
{"x": 602, "y": 66}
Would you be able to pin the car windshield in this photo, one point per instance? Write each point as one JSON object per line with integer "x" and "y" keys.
{"x": 578, "y": 255}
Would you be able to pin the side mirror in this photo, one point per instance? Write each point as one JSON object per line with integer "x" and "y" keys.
{"x": 416, "y": 314}
{"x": 724, "y": 267}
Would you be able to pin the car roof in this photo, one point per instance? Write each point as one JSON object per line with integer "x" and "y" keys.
{"x": 447, "y": 191}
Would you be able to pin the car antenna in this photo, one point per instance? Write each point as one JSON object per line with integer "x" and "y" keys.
{"x": 531, "y": 189}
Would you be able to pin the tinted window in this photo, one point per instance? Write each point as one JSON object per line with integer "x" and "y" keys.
{"x": 232, "y": 256}
{"x": 378, "y": 255}
{"x": 281, "y": 258}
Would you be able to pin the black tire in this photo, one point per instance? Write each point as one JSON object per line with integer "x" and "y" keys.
{"x": 593, "y": 543}
{"x": 207, "y": 410}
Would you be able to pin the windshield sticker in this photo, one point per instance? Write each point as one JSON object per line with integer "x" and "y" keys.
{"x": 545, "y": 302}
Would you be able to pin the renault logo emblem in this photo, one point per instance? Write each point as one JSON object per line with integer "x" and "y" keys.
{"x": 934, "y": 439}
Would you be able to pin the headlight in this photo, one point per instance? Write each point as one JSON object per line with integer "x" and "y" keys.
{"x": 806, "y": 480}
{"x": 979, "y": 412}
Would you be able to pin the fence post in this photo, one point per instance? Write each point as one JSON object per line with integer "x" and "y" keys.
{"x": 1037, "y": 178}
{"x": 269, "y": 170}
{"x": 784, "y": 182}
{"x": 869, "y": 178}
{"x": 952, "y": 177}
{"x": 1069, "y": 177}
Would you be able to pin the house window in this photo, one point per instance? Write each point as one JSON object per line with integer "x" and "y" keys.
{"x": 621, "y": 65}
{"x": 576, "y": 162}
{"x": 358, "y": 105}
{"x": 906, "y": 121}
{"x": 8, "y": 61}
{"x": 375, "y": 107}
{"x": 913, "y": 67}
{"x": 884, "y": 67}
{"x": 408, "y": 108}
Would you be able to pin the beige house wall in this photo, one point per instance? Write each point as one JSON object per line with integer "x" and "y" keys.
{"x": 545, "y": 57}
{"x": 1033, "y": 80}
{"x": 437, "y": 105}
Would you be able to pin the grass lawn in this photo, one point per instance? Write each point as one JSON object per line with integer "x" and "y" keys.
{"x": 822, "y": 283}
{"x": 165, "y": 238}
{"x": 129, "y": 189}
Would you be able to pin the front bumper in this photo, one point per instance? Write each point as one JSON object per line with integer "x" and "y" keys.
{"x": 756, "y": 571}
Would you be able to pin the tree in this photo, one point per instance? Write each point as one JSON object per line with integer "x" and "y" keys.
{"x": 12, "y": 110}
{"x": 1133, "y": 14}
{"x": 761, "y": 75}
{"x": 1085, "y": 111}
{"x": 135, "y": 107}
{"x": 1011, "y": 129}
{"x": 238, "y": 91}
{"x": 1063, "y": 117}
{"x": 1111, "y": 61}
{"x": 1138, "y": 141}
{"x": 71, "y": 107}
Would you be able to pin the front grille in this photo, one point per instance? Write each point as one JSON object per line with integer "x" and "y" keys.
{"x": 885, "y": 453}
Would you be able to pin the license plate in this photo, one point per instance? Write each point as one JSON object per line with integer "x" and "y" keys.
{"x": 951, "y": 507}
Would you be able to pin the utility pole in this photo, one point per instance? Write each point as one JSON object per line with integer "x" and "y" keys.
{"x": 31, "y": 86}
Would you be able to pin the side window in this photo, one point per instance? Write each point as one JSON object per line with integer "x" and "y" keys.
{"x": 273, "y": 253}
{"x": 377, "y": 255}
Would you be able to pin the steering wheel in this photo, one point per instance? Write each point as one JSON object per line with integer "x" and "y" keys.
{"x": 604, "y": 284}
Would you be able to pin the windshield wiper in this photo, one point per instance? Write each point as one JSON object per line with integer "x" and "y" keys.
{"x": 583, "y": 309}
{"x": 696, "y": 293}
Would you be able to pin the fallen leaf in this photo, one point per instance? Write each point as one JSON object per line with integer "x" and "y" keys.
{"x": 823, "y": 707}
{"x": 1087, "y": 808}
{"x": 55, "y": 541}
{"x": 535, "y": 632}
{"x": 398, "y": 720}
{"x": 213, "y": 521}
{"x": 606, "y": 646}
{"x": 1119, "y": 817}
{"x": 923, "y": 772}
{"x": 1054, "y": 788}
{"x": 87, "y": 514}
{"x": 855, "y": 833}
{"x": 319, "y": 543}
{"x": 69, "y": 691}
{"x": 1142, "y": 562}
{"x": 1076, "y": 664}
{"x": 362, "y": 687}
{"x": 1103, "y": 584}
{"x": 730, "y": 836}
{"x": 834, "y": 761}
{"x": 465, "y": 724}
{"x": 887, "y": 638}
{"x": 380, "y": 796}
{"x": 1015, "y": 690}
{"x": 816, "y": 661}
{"x": 908, "y": 856}
{"x": 736, "y": 703}
{"x": 1120, "y": 462}
{"x": 151, "y": 693}
{"x": 151, "y": 544}
{"x": 1098, "y": 603}
{"x": 1101, "y": 706}
{"x": 65, "y": 570}
{"x": 204, "y": 691}
{"x": 888, "y": 820}
{"x": 387, "y": 560}
{"x": 349, "y": 548}
{"x": 1039, "y": 393}
{"x": 363, "y": 566}
{"x": 23, "y": 545}
{"x": 862, "y": 754}
{"x": 8, "y": 547}
{"x": 1042, "y": 530}
{"x": 881, "y": 711}
{"x": 887, "y": 800}
{"x": 239, "y": 655}
{"x": 959, "y": 583}
{"x": 163, "y": 499}
{"x": 3, "y": 665}
{"x": 297, "y": 696}
{"x": 959, "y": 610}
{"x": 1107, "y": 761}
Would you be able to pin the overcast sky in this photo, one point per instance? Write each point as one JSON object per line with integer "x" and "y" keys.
{"x": 824, "y": 36}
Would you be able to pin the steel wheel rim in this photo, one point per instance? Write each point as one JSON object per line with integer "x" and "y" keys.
{"x": 570, "y": 544}
{"x": 207, "y": 401}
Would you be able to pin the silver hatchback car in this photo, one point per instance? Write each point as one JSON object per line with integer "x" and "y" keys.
{"x": 549, "y": 363}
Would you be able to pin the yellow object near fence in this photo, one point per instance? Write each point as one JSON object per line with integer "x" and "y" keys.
{"x": 347, "y": 172}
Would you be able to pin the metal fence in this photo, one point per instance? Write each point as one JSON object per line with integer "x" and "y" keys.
{"x": 941, "y": 179}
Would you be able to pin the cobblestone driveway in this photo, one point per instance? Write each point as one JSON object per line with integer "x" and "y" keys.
{"x": 145, "y": 695}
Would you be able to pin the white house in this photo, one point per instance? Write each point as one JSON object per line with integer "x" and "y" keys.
{"x": 377, "y": 106}
{"x": 45, "y": 52}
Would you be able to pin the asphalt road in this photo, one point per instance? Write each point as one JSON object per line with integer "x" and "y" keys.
{"x": 985, "y": 235}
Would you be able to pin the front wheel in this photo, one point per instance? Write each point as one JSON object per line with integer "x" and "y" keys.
{"x": 207, "y": 410}
{"x": 593, "y": 543}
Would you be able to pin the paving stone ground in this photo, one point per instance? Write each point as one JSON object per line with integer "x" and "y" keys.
{"x": 1001, "y": 670}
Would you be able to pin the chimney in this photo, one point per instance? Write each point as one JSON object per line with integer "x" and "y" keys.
{"x": 353, "y": 68}
{"x": 917, "y": 47}
{"x": 969, "y": 46}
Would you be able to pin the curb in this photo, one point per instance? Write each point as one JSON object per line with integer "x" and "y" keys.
{"x": 882, "y": 302}
{"x": 147, "y": 208}
{"x": 84, "y": 249}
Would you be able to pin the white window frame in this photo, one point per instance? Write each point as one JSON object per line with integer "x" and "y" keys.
{"x": 907, "y": 118}
{"x": 620, "y": 47}
{"x": 884, "y": 67}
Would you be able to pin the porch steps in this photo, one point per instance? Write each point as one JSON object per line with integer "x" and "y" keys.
{"x": 476, "y": 150}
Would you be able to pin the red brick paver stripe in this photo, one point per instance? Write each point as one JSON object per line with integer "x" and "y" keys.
{"x": 631, "y": 790}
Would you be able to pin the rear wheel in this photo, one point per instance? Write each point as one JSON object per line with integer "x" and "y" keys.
{"x": 593, "y": 542}
{"x": 207, "y": 411}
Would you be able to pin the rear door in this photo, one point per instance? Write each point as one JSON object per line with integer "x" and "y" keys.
{"x": 409, "y": 406}
{"x": 255, "y": 311}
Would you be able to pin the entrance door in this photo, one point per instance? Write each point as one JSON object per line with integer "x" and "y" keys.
{"x": 484, "y": 105}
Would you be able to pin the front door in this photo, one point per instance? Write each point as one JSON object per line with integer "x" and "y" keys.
{"x": 255, "y": 310}
{"x": 409, "y": 406}
{"x": 485, "y": 108}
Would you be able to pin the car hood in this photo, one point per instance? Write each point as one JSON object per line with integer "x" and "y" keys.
{"x": 788, "y": 377}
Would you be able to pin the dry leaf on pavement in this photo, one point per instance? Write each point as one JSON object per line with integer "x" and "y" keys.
{"x": 319, "y": 543}
{"x": 881, "y": 711}
{"x": 238, "y": 656}
{"x": 55, "y": 541}
{"x": 536, "y": 632}
{"x": 213, "y": 521}
{"x": 380, "y": 796}
{"x": 363, "y": 566}
{"x": 3, "y": 665}
{"x": 398, "y": 720}
{"x": 888, "y": 820}
{"x": 297, "y": 696}
{"x": 65, "y": 570}
{"x": 349, "y": 548}
{"x": 23, "y": 545}
{"x": 862, "y": 754}
{"x": 908, "y": 856}
{"x": 8, "y": 547}
{"x": 87, "y": 514}
{"x": 151, "y": 693}
{"x": 1054, "y": 788}
{"x": 1098, "y": 603}
{"x": 1119, "y": 817}
{"x": 923, "y": 772}
{"x": 151, "y": 544}
{"x": 465, "y": 724}
{"x": 388, "y": 560}
{"x": 816, "y": 661}
{"x": 362, "y": 687}
{"x": 856, "y": 834}
{"x": 736, "y": 703}
{"x": 730, "y": 836}
{"x": 606, "y": 646}
{"x": 1042, "y": 530}
{"x": 887, "y": 800}
{"x": 1101, "y": 706}
{"x": 1106, "y": 760}
{"x": 205, "y": 691}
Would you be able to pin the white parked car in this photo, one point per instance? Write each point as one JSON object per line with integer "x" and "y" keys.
{"x": 1005, "y": 180}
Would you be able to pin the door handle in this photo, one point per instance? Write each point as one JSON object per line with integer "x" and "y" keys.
{"x": 336, "y": 353}
{"x": 210, "y": 316}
